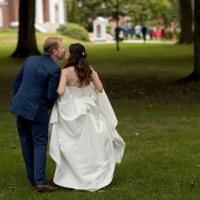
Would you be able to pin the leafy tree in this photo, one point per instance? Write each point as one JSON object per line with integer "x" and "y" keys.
{"x": 175, "y": 11}
{"x": 26, "y": 34}
{"x": 90, "y": 9}
{"x": 144, "y": 11}
{"x": 72, "y": 11}
{"x": 68, "y": 5}
{"x": 139, "y": 10}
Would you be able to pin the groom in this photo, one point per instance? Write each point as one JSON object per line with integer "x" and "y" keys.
{"x": 34, "y": 92}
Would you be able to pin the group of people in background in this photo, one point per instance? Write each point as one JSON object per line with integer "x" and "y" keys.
{"x": 137, "y": 32}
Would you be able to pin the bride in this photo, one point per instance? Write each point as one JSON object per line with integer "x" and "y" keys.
{"x": 84, "y": 142}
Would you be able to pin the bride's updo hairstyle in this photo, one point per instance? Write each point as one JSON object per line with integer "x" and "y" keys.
{"x": 78, "y": 59}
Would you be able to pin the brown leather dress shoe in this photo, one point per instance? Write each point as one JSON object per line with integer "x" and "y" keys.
{"x": 46, "y": 187}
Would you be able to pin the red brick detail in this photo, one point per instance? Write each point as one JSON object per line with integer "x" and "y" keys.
{"x": 46, "y": 10}
{"x": 5, "y": 16}
{"x": 14, "y": 10}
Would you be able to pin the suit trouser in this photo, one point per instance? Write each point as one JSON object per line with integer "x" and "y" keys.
{"x": 34, "y": 139}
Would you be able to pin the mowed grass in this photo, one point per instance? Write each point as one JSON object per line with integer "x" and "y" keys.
{"x": 158, "y": 119}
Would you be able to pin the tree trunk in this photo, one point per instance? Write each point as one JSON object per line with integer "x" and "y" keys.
{"x": 26, "y": 34}
{"x": 197, "y": 38}
{"x": 195, "y": 76}
{"x": 186, "y": 21}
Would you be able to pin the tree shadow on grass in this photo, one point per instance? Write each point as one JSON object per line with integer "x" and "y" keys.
{"x": 153, "y": 89}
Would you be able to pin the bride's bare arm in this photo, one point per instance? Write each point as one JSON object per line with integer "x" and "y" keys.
{"x": 96, "y": 81}
{"x": 63, "y": 81}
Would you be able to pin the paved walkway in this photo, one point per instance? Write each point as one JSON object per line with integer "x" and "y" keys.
{"x": 136, "y": 42}
{"x": 109, "y": 40}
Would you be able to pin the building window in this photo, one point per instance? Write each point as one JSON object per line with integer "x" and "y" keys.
{"x": 1, "y": 17}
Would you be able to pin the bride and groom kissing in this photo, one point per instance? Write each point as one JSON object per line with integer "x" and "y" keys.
{"x": 84, "y": 142}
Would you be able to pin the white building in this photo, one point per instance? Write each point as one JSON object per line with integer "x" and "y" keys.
{"x": 99, "y": 29}
{"x": 49, "y": 14}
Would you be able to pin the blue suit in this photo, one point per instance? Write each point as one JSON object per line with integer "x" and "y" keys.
{"x": 34, "y": 93}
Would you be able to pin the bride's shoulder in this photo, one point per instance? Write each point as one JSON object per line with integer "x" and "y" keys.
{"x": 71, "y": 68}
{"x": 65, "y": 71}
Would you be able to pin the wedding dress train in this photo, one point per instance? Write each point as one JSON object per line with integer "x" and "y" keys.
{"x": 84, "y": 142}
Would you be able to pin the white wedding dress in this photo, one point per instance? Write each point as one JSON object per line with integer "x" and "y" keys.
{"x": 84, "y": 142}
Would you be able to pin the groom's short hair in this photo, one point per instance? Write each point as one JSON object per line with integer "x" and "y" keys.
{"x": 50, "y": 44}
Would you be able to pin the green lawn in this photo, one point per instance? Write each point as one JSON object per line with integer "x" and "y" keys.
{"x": 158, "y": 118}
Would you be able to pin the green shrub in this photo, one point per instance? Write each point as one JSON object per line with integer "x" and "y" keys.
{"x": 109, "y": 29}
{"x": 74, "y": 31}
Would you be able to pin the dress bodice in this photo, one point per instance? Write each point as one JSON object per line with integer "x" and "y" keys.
{"x": 72, "y": 92}
{"x": 78, "y": 92}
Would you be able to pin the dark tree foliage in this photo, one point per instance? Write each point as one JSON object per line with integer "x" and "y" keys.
{"x": 72, "y": 11}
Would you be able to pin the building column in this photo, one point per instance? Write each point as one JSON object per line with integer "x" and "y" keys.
{"x": 61, "y": 19}
{"x": 52, "y": 12}
{"x": 39, "y": 18}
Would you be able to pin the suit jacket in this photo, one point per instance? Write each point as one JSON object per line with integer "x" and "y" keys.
{"x": 34, "y": 88}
